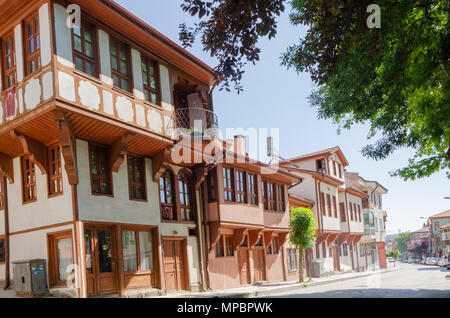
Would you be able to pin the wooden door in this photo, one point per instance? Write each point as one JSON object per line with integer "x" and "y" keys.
{"x": 243, "y": 267}
{"x": 259, "y": 265}
{"x": 100, "y": 261}
{"x": 336, "y": 259}
{"x": 174, "y": 265}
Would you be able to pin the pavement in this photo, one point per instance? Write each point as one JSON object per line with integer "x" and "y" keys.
{"x": 282, "y": 287}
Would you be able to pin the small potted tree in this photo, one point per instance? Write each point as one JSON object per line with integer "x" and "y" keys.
{"x": 302, "y": 234}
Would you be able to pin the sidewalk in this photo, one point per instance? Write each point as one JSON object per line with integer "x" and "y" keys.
{"x": 275, "y": 288}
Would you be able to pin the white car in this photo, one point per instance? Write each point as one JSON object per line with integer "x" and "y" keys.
{"x": 391, "y": 260}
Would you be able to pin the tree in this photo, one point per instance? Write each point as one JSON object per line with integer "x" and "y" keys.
{"x": 302, "y": 233}
{"x": 394, "y": 254}
{"x": 401, "y": 241}
{"x": 395, "y": 78}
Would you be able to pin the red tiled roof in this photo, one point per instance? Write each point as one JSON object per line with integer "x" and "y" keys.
{"x": 445, "y": 214}
{"x": 321, "y": 153}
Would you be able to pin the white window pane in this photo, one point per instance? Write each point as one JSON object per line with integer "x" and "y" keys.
{"x": 129, "y": 251}
{"x": 145, "y": 249}
{"x": 65, "y": 257}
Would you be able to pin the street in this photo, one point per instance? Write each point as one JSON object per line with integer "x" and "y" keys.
{"x": 411, "y": 281}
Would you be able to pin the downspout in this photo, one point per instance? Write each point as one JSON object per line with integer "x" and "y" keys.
{"x": 205, "y": 237}
{"x": 7, "y": 255}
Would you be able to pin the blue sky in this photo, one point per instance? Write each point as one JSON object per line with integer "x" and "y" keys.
{"x": 278, "y": 98}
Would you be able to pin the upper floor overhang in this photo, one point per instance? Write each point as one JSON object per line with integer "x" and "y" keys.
{"x": 297, "y": 201}
{"x": 320, "y": 154}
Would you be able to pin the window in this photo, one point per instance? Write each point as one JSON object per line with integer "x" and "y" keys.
{"x": 263, "y": 193}
{"x": 84, "y": 51}
{"x": 320, "y": 166}
{"x": 100, "y": 173}
{"x": 292, "y": 259}
{"x": 270, "y": 196}
{"x": 280, "y": 198}
{"x": 228, "y": 184}
{"x": 9, "y": 61}
{"x": 166, "y": 196}
{"x": 252, "y": 189}
{"x": 334, "y": 168}
{"x": 335, "y": 207}
{"x": 120, "y": 65}
{"x": 329, "y": 205}
{"x": 60, "y": 258}
{"x": 330, "y": 251}
{"x": 436, "y": 226}
{"x": 355, "y": 212}
{"x": 185, "y": 189}
{"x": 324, "y": 250}
{"x": 241, "y": 194}
{"x": 351, "y": 211}
{"x": 28, "y": 180}
{"x": 212, "y": 189}
{"x": 340, "y": 170}
{"x": 317, "y": 251}
{"x": 54, "y": 171}
{"x": 32, "y": 44}
{"x": 345, "y": 249}
{"x": 136, "y": 178}
{"x": 275, "y": 245}
{"x": 229, "y": 245}
{"x": 2, "y": 250}
{"x": 2, "y": 193}
{"x": 322, "y": 203}
{"x": 269, "y": 249}
{"x": 342, "y": 211}
{"x": 137, "y": 250}
{"x": 219, "y": 248}
{"x": 150, "y": 80}
{"x": 359, "y": 213}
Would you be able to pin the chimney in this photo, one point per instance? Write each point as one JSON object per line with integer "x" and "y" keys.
{"x": 240, "y": 145}
{"x": 229, "y": 144}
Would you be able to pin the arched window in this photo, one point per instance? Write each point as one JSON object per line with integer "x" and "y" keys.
{"x": 185, "y": 190}
{"x": 166, "y": 191}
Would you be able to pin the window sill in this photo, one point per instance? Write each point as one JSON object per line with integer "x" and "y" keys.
{"x": 292, "y": 270}
{"x": 139, "y": 200}
{"x": 52, "y": 196}
{"x": 179, "y": 222}
{"x": 124, "y": 92}
{"x": 103, "y": 195}
{"x": 29, "y": 202}
{"x": 87, "y": 76}
{"x": 158, "y": 107}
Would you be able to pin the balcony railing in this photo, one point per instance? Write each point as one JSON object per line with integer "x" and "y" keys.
{"x": 194, "y": 122}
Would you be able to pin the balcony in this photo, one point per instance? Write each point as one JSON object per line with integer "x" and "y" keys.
{"x": 193, "y": 122}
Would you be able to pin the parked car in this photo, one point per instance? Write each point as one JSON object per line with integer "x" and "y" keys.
{"x": 411, "y": 260}
{"x": 433, "y": 261}
{"x": 442, "y": 262}
{"x": 428, "y": 261}
{"x": 391, "y": 259}
{"x": 418, "y": 261}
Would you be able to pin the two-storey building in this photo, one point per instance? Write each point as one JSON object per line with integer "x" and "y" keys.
{"x": 436, "y": 222}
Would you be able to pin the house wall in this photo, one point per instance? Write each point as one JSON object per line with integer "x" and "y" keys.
{"x": 223, "y": 271}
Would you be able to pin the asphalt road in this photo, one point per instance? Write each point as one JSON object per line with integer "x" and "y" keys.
{"x": 411, "y": 281}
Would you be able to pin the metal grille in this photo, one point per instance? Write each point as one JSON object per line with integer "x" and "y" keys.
{"x": 193, "y": 122}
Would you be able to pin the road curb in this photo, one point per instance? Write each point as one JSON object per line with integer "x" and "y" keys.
{"x": 260, "y": 293}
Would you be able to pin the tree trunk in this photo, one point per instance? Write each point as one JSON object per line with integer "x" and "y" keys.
{"x": 300, "y": 265}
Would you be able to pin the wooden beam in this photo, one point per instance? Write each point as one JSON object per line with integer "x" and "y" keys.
{"x": 32, "y": 148}
{"x": 282, "y": 237}
{"x": 200, "y": 176}
{"x": 239, "y": 237}
{"x": 67, "y": 142}
{"x": 253, "y": 237}
{"x": 6, "y": 167}
{"x": 118, "y": 150}
{"x": 160, "y": 163}
{"x": 268, "y": 237}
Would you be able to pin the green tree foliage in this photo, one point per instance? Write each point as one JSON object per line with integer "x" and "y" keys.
{"x": 401, "y": 241}
{"x": 396, "y": 78}
{"x": 302, "y": 233}
{"x": 394, "y": 254}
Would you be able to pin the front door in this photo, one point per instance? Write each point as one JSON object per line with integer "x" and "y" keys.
{"x": 259, "y": 265}
{"x": 174, "y": 265}
{"x": 100, "y": 261}
{"x": 243, "y": 267}
{"x": 336, "y": 259}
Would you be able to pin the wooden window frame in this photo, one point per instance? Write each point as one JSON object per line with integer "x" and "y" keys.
{"x": 2, "y": 238}
{"x": 229, "y": 184}
{"x": 12, "y": 71}
{"x": 220, "y": 248}
{"x": 157, "y": 91}
{"x": 292, "y": 259}
{"x": 264, "y": 194}
{"x": 212, "y": 185}
{"x": 117, "y": 44}
{"x": 342, "y": 212}
{"x": 242, "y": 176}
{"x": 252, "y": 189}
{"x": 132, "y": 182}
{"x": 335, "y": 207}
{"x": 334, "y": 168}
{"x": 168, "y": 174}
{"x": 318, "y": 251}
{"x": 324, "y": 250}
{"x": 53, "y": 268}
{"x": 280, "y": 198}
{"x": 276, "y": 201}
{"x": 359, "y": 213}
{"x": 81, "y": 55}
{"x": 108, "y": 178}
{"x": 229, "y": 248}
{"x": 275, "y": 245}
{"x": 25, "y": 184}
{"x": 190, "y": 196}
{"x": 351, "y": 211}
{"x": 340, "y": 170}
{"x": 271, "y": 196}
{"x": 36, "y": 55}
{"x": 329, "y": 209}
{"x": 323, "y": 164}
{"x": 322, "y": 204}
{"x": 138, "y": 250}
{"x": 58, "y": 175}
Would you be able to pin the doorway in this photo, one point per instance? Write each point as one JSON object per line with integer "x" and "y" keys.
{"x": 244, "y": 268}
{"x": 175, "y": 272}
{"x": 259, "y": 264}
{"x": 336, "y": 258}
{"x": 100, "y": 260}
